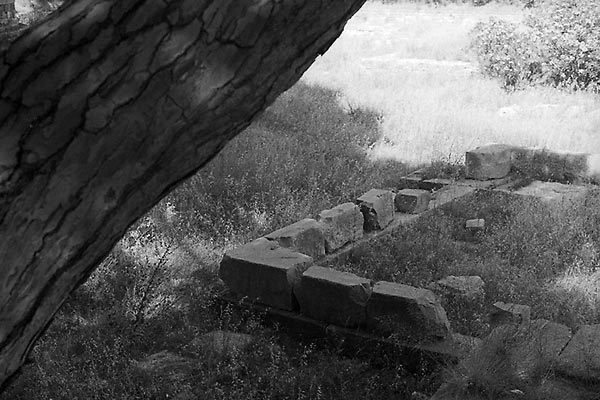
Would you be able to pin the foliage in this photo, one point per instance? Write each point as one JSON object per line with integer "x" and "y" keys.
{"x": 558, "y": 46}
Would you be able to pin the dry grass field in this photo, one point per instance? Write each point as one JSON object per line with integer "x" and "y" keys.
{"x": 412, "y": 63}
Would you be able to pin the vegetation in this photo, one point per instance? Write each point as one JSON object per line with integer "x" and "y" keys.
{"x": 558, "y": 46}
{"x": 314, "y": 148}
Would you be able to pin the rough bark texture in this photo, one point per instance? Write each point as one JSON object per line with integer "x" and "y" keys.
{"x": 106, "y": 106}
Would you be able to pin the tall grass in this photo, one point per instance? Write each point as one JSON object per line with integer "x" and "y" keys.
{"x": 158, "y": 288}
{"x": 535, "y": 253}
{"x": 413, "y": 63}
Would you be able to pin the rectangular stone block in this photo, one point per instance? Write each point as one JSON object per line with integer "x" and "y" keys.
{"x": 377, "y": 207}
{"x": 412, "y": 201}
{"x": 305, "y": 236}
{"x": 341, "y": 224}
{"x": 265, "y": 272}
{"x": 489, "y": 162}
{"x": 332, "y": 296}
{"x": 412, "y": 314}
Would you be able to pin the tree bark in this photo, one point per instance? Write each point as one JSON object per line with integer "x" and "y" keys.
{"x": 106, "y": 106}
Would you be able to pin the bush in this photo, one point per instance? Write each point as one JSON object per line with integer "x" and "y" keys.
{"x": 559, "y": 45}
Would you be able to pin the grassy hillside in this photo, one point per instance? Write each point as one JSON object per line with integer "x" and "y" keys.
{"x": 399, "y": 88}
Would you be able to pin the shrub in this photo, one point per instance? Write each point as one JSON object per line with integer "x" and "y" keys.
{"x": 557, "y": 46}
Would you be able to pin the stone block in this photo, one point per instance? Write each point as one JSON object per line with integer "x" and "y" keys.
{"x": 554, "y": 193}
{"x": 474, "y": 229}
{"x": 581, "y": 357}
{"x": 305, "y": 236}
{"x": 509, "y": 314}
{"x": 265, "y": 272}
{"x": 489, "y": 162}
{"x": 448, "y": 194}
{"x": 377, "y": 207}
{"x": 332, "y": 296}
{"x": 412, "y": 314}
{"x": 412, "y": 201}
{"x": 341, "y": 224}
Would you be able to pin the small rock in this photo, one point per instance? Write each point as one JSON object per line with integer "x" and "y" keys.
{"x": 475, "y": 224}
{"x": 377, "y": 207}
{"x": 508, "y": 313}
{"x": 412, "y": 201}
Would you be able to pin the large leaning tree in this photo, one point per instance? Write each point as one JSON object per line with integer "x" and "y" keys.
{"x": 106, "y": 106}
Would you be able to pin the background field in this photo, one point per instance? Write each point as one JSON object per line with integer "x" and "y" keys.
{"x": 412, "y": 63}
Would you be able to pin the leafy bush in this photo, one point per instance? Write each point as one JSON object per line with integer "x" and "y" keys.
{"x": 557, "y": 46}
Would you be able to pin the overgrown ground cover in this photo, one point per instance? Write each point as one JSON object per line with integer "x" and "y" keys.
{"x": 413, "y": 63}
{"x": 532, "y": 252}
{"x": 405, "y": 88}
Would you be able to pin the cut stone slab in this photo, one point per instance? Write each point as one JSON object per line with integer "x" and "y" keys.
{"x": 509, "y": 313}
{"x": 411, "y": 314}
{"x": 341, "y": 225}
{"x": 265, "y": 272}
{"x": 489, "y": 162}
{"x": 553, "y": 192}
{"x": 448, "y": 194}
{"x": 581, "y": 357}
{"x": 377, "y": 207}
{"x": 332, "y": 296}
{"x": 305, "y": 236}
{"x": 436, "y": 183}
{"x": 412, "y": 201}
{"x": 470, "y": 287}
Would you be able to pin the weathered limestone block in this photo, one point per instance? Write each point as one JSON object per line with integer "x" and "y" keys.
{"x": 554, "y": 192}
{"x": 413, "y": 314}
{"x": 469, "y": 287}
{"x": 305, "y": 236}
{"x": 265, "y": 272}
{"x": 509, "y": 313}
{"x": 489, "y": 162}
{"x": 412, "y": 201}
{"x": 341, "y": 224}
{"x": 377, "y": 207}
{"x": 581, "y": 357}
{"x": 333, "y": 296}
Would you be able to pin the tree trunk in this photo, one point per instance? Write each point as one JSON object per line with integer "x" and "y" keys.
{"x": 106, "y": 106}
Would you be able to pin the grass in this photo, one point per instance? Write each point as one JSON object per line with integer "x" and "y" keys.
{"x": 398, "y": 89}
{"x": 412, "y": 62}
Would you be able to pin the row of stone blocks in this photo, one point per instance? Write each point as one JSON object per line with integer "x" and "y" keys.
{"x": 282, "y": 278}
{"x": 496, "y": 161}
{"x": 347, "y": 222}
{"x": 279, "y": 271}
